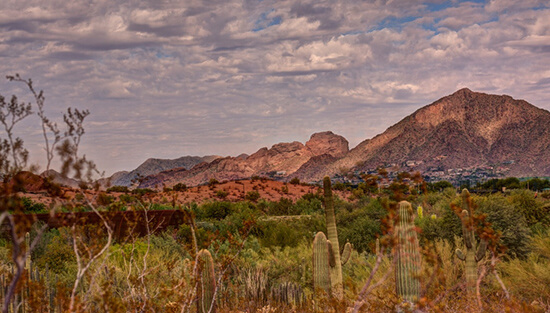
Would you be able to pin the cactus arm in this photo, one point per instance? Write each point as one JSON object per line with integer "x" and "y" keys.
{"x": 331, "y": 257}
{"x": 481, "y": 250}
{"x": 466, "y": 200}
{"x": 466, "y": 229}
{"x": 459, "y": 254}
{"x": 321, "y": 275}
{"x": 346, "y": 254}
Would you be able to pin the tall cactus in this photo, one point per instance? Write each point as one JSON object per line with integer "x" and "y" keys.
{"x": 408, "y": 256}
{"x": 475, "y": 251}
{"x": 206, "y": 282}
{"x": 332, "y": 234}
{"x": 333, "y": 258}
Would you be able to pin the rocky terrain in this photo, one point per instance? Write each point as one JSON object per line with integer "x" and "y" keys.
{"x": 464, "y": 130}
{"x": 154, "y": 166}
{"x": 279, "y": 161}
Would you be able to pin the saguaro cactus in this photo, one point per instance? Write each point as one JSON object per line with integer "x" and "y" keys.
{"x": 333, "y": 258}
{"x": 324, "y": 261}
{"x": 408, "y": 256}
{"x": 475, "y": 251}
{"x": 206, "y": 282}
{"x": 332, "y": 234}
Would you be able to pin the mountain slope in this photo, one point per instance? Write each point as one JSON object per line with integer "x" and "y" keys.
{"x": 154, "y": 166}
{"x": 279, "y": 161}
{"x": 465, "y": 129}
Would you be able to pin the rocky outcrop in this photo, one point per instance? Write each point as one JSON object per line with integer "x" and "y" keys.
{"x": 328, "y": 143}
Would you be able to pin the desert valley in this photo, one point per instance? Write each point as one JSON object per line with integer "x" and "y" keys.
{"x": 274, "y": 156}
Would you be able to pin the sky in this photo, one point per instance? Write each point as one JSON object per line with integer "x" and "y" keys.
{"x": 167, "y": 78}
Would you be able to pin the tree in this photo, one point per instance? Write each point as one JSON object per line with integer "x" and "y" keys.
{"x": 13, "y": 164}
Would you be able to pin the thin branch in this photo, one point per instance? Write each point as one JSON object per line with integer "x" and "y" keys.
{"x": 83, "y": 268}
{"x": 494, "y": 260}
{"x": 367, "y": 288}
{"x": 478, "y": 283}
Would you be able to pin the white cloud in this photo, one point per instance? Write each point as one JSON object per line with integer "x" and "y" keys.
{"x": 205, "y": 76}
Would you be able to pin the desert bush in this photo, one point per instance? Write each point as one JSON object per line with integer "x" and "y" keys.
{"x": 361, "y": 226}
{"x": 180, "y": 187}
{"x": 212, "y": 182}
{"x": 221, "y": 194}
{"x": 122, "y": 189}
{"x": 509, "y": 221}
{"x": 533, "y": 210}
{"x": 33, "y": 207}
{"x": 143, "y": 191}
{"x": 295, "y": 181}
{"x": 103, "y": 199}
{"x": 214, "y": 210}
{"x": 529, "y": 278}
{"x": 308, "y": 207}
{"x": 252, "y": 196}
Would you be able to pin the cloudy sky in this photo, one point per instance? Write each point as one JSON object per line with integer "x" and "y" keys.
{"x": 167, "y": 78}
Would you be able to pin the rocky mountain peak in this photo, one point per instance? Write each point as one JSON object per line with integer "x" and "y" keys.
{"x": 328, "y": 143}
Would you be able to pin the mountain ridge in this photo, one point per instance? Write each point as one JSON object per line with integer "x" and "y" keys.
{"x": 464, "y": 129}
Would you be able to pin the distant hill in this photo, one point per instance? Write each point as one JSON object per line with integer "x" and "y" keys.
{"x": 279, "y": 161}
{"x": 154, "y": 166}
{"x": 464, "y": 130}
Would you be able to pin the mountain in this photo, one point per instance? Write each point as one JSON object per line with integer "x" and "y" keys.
{"x": 60, "y": 179}
{"x": 279, "y": 161}
{"x": 464, "y": 130}
{"x": 154, "y": 166}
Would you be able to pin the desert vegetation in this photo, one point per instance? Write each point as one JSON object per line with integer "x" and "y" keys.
{"x": 405, "y": 245}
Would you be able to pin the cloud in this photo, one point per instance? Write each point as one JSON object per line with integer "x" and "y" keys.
{"x": 166, "y": 79}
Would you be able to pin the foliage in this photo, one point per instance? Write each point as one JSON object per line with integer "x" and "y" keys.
{"x": 221, "y": 194}
{"x": 295, "y": 181}
{"x": 498, "y": 184}
{"x": 252, "y": 196}
{"x": 509, "y": 222}
{"x": 143, "y": 191}
{"x": 179, "y": 187}
{"x": 439, "y": 186}
{"x": 123, "y": 189}
{"x": 33, "y": 207}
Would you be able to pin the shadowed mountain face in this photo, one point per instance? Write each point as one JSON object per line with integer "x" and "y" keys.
{"x": 155, "y": 166}
{"x": 463, "y": 130}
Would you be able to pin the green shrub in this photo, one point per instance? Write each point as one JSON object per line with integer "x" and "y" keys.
{"x": 212, "y": 182}
{"x": 508, "y": 220}
{"x": 295, "y": 181}
{"x": 33, "y": 207}
{"x": 222, "y": 194}
{"x": 143, "y": 191}
{"x": 180, "y": 187}
{"x": 215, "y": 210}
{"x": 252, "y": 196}
{"x": 123, "y": 189}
